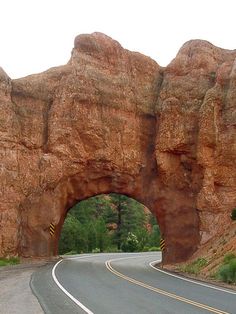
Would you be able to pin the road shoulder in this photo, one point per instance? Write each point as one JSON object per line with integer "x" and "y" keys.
{"x": 206, "y": 280}
{"x": 15, "y": 292}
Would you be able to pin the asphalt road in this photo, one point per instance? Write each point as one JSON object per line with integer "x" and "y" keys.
{"x": 124, "y": 284}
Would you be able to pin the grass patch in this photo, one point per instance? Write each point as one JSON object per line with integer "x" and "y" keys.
{"x": 194, "y": 267}
{"x": 112, "y": 249}
{"x": 154, "y": 249}
{"x": 9, "y": 261}
{"x": 71, "y": 253}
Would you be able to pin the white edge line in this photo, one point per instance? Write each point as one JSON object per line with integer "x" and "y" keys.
{"x": 189, "y": 280}
{"x": 129, "y": 257}
{"x": 66, "y": 292}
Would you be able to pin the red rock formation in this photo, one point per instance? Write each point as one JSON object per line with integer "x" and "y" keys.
{"x": 112, "y": 120}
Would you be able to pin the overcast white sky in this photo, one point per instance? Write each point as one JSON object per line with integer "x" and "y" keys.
{"x": 38, "y": 34}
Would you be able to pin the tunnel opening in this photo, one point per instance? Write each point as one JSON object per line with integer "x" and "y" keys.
{"x": 109, "y": 223}
{"x": 177, "y": 218}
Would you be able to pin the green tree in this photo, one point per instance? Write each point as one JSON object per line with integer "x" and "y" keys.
{"x": 88, "y": 209}
{"x": 155, "y": 236}
{"x": 72, "y": 236}
{"x": 143, "y": 238}
{"x": 102, "y": 235}
{"x": 91, "y": 236}
{"x": 130, "y": 217}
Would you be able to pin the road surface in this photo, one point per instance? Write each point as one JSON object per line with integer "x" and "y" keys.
{"x": 124, "y": 284}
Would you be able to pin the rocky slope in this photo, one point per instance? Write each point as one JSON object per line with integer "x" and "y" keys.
{"x": 112, "y": 120}
{"x": 215, "y": 250}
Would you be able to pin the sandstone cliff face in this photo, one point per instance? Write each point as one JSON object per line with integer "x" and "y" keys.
{"x": 112, "y": 120}
{"x": 196, "y": 137}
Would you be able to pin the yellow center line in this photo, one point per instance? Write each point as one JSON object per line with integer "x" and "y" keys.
{"x": 162, "y": 292}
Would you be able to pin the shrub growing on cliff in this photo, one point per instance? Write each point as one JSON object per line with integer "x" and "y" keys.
{"x": 228, "y": 257}
{"x": 233, "y": 214}
{"x": 227, "y": 272}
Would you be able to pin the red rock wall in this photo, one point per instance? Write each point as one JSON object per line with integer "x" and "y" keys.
{"x": 112, "y": 120}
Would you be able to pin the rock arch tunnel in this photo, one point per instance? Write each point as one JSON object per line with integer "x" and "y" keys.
{"x": 114, "y": 121}
{"x": 181, "y": 231}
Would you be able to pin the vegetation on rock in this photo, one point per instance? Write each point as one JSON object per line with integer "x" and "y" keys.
{"x": 9, "y": 261}
{"x": 227, "y": 271}
{"x": 194, "y": 267}
{"x": 233, "y": 214}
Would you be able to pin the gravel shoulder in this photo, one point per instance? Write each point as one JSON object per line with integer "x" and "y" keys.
{"x": 16, "y": 296}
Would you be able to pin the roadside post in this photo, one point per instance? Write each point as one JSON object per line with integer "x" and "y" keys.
{"x": 162, "y": 247}
{"x": 52, "y": 229}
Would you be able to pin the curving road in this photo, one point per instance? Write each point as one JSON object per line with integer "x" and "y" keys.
{"x": 124, "y": 284}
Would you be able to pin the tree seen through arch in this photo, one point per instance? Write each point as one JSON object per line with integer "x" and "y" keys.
{"x": 109, "y": 223}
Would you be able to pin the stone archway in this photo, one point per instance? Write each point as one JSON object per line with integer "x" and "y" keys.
{"x": 179, "y": 227}
{"x": 115, "y": 121}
